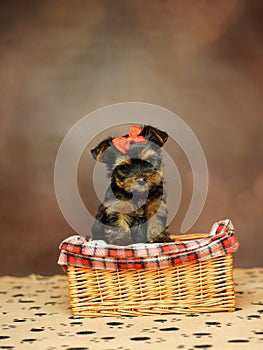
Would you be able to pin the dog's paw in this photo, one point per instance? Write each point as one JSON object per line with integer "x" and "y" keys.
{"x": 118, "y": 236}
{"x": 162, "y": 237}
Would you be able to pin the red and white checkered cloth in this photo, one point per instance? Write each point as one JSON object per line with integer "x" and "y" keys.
{"x": 76, "y": 251}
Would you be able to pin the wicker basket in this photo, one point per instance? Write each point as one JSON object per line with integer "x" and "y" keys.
{"x": 205, "y": 286}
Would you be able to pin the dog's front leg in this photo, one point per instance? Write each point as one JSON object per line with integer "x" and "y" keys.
{"x": 111, "y": 226}
{"x": 139, "y": 233}
{"x": 157, "y": 223}
{"x": 119, "y": 222}
{"x": 120, "y": 233}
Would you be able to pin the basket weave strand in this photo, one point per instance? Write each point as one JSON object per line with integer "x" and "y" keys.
{"x": 205, "y": 286}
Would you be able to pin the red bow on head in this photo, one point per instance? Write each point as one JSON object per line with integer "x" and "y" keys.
{"x": 122, "y": 143}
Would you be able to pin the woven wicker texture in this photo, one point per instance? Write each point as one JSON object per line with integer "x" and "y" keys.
{"x": 199, "y": 287}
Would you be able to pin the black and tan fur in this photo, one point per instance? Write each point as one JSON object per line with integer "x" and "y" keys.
{"x": 129, "y": 211}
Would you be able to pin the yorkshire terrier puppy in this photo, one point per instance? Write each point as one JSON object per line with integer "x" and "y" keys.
{"x": 134, "y": 209}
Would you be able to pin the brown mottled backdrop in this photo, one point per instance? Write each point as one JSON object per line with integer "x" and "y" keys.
{"x": 61, "y": 60}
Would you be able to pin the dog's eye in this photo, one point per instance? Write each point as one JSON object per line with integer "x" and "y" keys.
{"x": 151, "y": 161}
{"x": 125, "y": 169}
{"x": 152, "y": 164}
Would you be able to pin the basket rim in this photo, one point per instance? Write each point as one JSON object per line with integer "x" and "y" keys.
{"x": 185, "y": 249}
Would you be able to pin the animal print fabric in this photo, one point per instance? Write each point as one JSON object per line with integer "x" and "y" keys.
{"x": 35, "y": 314}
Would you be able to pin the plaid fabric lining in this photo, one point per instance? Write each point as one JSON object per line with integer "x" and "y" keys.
{"x": 76, "y": 251}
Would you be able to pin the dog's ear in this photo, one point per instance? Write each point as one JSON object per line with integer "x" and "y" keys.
{"x": 100, "y": 152}
{"x": 155, "y": 135}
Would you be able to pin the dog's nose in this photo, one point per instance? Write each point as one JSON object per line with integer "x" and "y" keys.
{"x": 141, "y": 182}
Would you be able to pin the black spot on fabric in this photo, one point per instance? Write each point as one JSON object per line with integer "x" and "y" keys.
{"x": 17, "y": 295}
{"x": 19, "y": 320}
{"x": 40, "y": 314}
{"x": 250, "y": 317}
{"x": 26, "y": 301}
{"x": 238, "y": 341}
{"x": 260, "y": 311}
{"x": 77, "y": 348}
{"x": 35, "y": 308}
{"x": 238, "y": 309}
{"x": 191, "y": 315}
{"x": 259, "y": 333}
{"x": 28, "y": 340}
{"x": 6, "y": 347}
{"x": 107, "y": 338}
{"x": 168, "y": 329}
{"x": 185, "y": 335}
{"x": 85, "y": 332}
{"x": 36, "y": 330}
{"x": 201, "y": 334}
{"x": 60, "y": 334}
{"x": 2, "y": 337}
{"x": 160, "y": 320}
{"x": 114, "y": 323}
{"x": 148, "y": 329}
{"x": 210, "y": 323}
{"x": 203, "y": 346}
{"x": 50, "y": 303}
{"x": 140, "y": 338}
{"x": 76, "y": 323}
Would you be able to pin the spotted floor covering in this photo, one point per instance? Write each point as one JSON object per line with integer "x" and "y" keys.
{"x": 35, "y": 314}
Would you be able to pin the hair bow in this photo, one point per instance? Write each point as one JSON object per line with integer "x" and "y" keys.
{"x": 122, "y": 143}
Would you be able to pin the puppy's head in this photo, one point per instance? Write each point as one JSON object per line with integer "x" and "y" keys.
{"x": 134, "y": 160}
